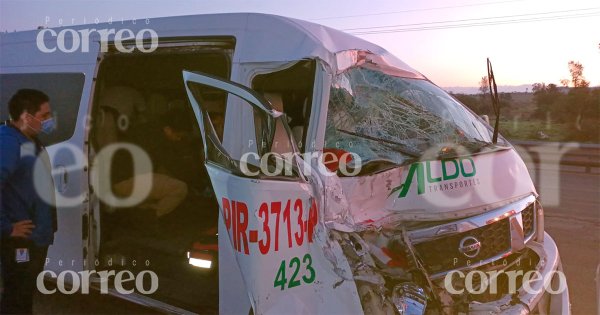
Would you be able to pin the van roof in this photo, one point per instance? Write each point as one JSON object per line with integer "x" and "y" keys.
{"x": 259, "y": 37}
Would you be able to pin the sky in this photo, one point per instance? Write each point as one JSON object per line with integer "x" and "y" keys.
{"x": 527, "y": 41}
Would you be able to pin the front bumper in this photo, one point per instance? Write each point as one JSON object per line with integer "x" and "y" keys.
{"x": 543, "y": 297}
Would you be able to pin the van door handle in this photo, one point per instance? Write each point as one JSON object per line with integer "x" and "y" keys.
{"x": 62, "y": 178}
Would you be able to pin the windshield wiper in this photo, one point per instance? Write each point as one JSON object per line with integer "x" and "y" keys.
{"x": 495, "y": 100}
{"x": 398, "y": 146}
{"x": 477, "y": 145}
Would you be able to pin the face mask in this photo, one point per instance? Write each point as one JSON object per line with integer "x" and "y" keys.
{"x": 47, "y": 126}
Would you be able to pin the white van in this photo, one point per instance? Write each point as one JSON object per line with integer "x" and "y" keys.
{"x": 341, "y": 180}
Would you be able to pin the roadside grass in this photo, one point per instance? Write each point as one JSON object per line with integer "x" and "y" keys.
{"x": 519, "y": 128}
{"x": 518, "y": 122}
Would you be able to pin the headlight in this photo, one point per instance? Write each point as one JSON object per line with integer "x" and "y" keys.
{"x": 539, "y": 216}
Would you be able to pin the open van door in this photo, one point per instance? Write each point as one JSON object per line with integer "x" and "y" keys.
{"x": 270, "y": 226}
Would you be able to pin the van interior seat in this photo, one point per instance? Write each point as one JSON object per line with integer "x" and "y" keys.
{"x": 281, "y": 141}
{"x": 299, "y": 123}
{"x": 118, "y": 104}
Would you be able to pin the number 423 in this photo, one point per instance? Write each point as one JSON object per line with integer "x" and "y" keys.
{"x": 281, "y": 280}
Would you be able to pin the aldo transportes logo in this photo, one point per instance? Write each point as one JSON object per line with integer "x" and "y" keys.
{"x": 464, "y": 167}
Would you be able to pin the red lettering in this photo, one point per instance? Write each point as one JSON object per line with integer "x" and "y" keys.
{"x": 253, "y": 235}
{"x": 276, "y": 209}
{"x": 299, "y": 237}
{"x": 264, "y": 243}
{"x": 234, "y": 224}
{"x": 312, "y": 219}
{"x": 286, "y": 218}
{"x": 237, "y": 221}
{"x": 226, "y": 213}
{"x": 242, "y": 226}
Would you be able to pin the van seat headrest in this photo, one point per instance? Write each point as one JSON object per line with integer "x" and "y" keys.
{"x": 125, "y": 100}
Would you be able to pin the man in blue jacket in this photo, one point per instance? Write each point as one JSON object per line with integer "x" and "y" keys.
{"x": 27, "y": 210}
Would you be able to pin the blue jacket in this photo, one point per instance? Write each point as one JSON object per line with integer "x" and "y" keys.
{"x": 26, "y": 194}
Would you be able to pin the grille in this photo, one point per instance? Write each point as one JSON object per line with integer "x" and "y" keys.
{"x": 442, "y": 254}
{"x": 528, "y": 223}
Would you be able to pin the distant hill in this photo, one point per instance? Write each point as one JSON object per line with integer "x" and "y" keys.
{"x": 523, "y": 88}
{"x": 501, "y": 89}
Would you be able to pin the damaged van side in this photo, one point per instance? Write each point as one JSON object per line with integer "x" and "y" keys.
{"x": 430, "y": 216}
{"x": 340, "y": 180}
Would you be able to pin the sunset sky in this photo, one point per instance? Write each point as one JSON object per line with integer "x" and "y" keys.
{"x": 527, "y": 40}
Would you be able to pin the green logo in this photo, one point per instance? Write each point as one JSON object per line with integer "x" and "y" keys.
{"x": 420, "y": 168}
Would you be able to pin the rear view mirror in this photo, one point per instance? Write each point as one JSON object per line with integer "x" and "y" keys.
{"x": 486, "y": 118}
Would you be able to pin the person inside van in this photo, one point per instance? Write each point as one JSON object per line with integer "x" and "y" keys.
{"x": 166, "y": 143}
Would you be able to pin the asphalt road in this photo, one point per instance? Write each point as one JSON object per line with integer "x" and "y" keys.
{"x": 575, "y": 226}
{"x": 574, "y": 223}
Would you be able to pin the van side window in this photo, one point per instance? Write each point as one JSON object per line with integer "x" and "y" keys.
{"x": 64, "y": 91}
{"x": 289, "y": 91}
{"x": 251, "y": 146}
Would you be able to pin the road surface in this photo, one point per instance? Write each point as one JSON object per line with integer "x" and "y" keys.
{"x": 575, "y": 226}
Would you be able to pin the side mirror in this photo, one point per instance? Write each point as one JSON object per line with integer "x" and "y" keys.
{"x": 486, "y": 118}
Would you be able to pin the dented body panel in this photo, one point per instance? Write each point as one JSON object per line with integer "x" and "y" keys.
{"x": 316, "y": 241}
{"x": 439, "y": 190}
{"x": 433, "y": 197}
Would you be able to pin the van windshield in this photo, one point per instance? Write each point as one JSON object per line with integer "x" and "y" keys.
{"x": 381, "y": 117}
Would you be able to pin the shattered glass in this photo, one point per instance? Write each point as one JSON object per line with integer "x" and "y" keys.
{"x": 395, "y": 119}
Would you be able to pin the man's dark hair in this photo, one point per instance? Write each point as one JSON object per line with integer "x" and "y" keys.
{"x": 178, "y": 120}
{"x": 26, "y": 100}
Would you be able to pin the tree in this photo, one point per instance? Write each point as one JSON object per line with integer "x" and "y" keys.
{"x": 552, "y": 89}
{"x": 577, "y": 79}
{"x": 546, "y": 98}
{"x": 537, "y": 88}
{"x": 581, "y": 104}
{"x": 484, "y": 87}
{"x": 484, "y": 104}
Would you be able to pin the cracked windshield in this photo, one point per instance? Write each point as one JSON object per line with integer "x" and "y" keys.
{"x": 380, "y": 117}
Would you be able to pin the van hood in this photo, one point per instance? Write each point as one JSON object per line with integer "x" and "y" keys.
{"x": 431, "y": 190}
